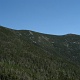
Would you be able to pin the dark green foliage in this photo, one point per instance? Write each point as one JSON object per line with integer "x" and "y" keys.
{"x": 28, "y": 55}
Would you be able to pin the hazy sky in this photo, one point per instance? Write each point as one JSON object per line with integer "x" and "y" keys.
{"x": 46, "y": 16}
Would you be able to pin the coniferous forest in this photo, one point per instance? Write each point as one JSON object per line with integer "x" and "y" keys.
{"x": 29, "y": 55}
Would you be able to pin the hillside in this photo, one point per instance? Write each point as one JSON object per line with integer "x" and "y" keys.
{"x": 29, "y": 55}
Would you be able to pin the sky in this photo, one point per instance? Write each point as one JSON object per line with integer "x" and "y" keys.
{"x": 57, "y": 17}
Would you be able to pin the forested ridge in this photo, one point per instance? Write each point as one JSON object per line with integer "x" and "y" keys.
{"x": 29, "y": 55}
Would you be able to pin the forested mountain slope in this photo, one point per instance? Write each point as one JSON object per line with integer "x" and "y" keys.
{"x": 29, "y": 55}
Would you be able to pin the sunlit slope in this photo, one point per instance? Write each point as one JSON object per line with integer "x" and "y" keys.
{"x": 29, "y": 55}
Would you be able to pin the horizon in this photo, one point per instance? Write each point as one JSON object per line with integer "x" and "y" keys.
{"x": 55, "y": 17}
{"x": 39, "y": 32}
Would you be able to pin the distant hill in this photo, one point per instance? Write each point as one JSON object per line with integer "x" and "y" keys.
{"x": 29, "y": 55}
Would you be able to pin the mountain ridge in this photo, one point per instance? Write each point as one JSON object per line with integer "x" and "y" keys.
{"x": 29, "y": 55}
{"x": 38, "y": 32}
